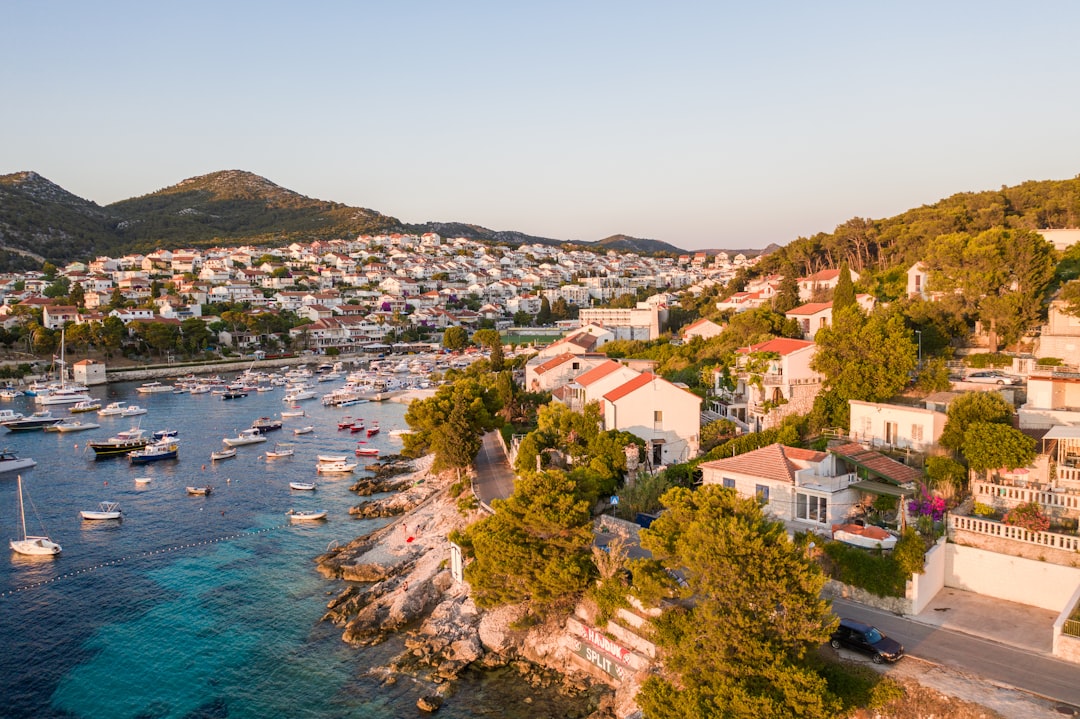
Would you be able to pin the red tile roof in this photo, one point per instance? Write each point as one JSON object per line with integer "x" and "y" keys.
{"x": 768, "y": 463}
{"x": 783, "y": 346}
{"x": 554, "y": 362}
{"x": 810, "y": 308}
{"x": 598, "y": 372}
{"x": 627, "y": 387}
{"x": 877, "y": 464}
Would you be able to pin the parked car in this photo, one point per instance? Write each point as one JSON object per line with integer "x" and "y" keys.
{"x": 866, "y": 639}
{"x": 991, "y": 377}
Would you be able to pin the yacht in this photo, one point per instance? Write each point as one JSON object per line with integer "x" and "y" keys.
{"x": 38, "y": 420}
{"x": 246, "y": 436}
{"x": 9, "y": 462}
{"x": 122, "y": 443}
{"x": 112, "y": 409}
{"x": 153, "y": 388}
{"x": 7, "y": 415}
{"x": 63, "y": 395}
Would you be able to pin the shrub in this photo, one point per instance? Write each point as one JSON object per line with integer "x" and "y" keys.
{"x": 986, "y": 359}
{"x": 1027, "y": 516}
{"x": 874, "y": 572}
{"x": 983, "y": 510}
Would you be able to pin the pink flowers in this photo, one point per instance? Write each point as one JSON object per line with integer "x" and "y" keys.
{"x": 928, "y": 506}
{"x": 1027, "y": 516}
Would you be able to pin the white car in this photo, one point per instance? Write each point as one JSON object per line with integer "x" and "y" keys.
{"x": 991, "y": 377}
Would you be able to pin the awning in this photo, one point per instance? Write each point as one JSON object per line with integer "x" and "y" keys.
{"x": 889, "y": 490}
{"x": 1062, "y": 431}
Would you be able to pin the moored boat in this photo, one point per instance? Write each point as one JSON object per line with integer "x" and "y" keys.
{"x": 302, "y": 486}
{"x": 9, "y": 462}
{"x": 7, "y": 415}
{"x": 155, "y": 452}
{"x": 299, "y": 515}
{"x": 153, "y": 388}
{"x": 112, "y": 409}
{"x": 367, "y": 452}
{"x": 266, "y": 424}
{"x": 164, "y": 434}
{"x": 245, "y": 436}
{"x": 121, "y": 443}
{"x": 223, "y": 453}
{"x": 199, "y": 491}
{"x": 105, "y": 510}
{"x": 69, "y": 425}
{"x": 304, "y": 430}
{"x": 336, "y": 467}
{"x": 132, "y": 410}
{"x": 294, "y": 413}
{"x": 30, "y": 545}
{"x": 85, "y": 406}
{"x": 38, "y": 420}
{"x": 373, "y": 429}
{"x": 279, "y": 451}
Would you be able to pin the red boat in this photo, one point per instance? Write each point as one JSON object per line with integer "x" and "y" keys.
{"x": 358, "y": 426}
{"x": 345, "y": 423}
{"x": 367, "y": 452}
{"x": 373, "y": 429}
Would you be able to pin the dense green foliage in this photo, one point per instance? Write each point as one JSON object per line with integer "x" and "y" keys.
{"x": 970, "y": 408}
{"x": 882, "y": 574}
{"x": 743, "y": 647}
{"x": 990, "y": 445}
{"x": 450, "y": 423}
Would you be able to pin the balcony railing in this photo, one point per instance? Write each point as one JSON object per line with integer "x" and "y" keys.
{"x": 988, "y": 528}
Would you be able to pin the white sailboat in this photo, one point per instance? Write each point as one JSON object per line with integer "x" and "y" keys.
{"x": 28, "y": 544}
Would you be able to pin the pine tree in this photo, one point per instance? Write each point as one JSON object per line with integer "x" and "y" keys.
{"x": 844, "y": 294}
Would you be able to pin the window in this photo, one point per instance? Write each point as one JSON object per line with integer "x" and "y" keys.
{"x": 658, "y": 416}
{"x": 729, "y": 483}
{"x": 811, "y": 508}
{"x": 891, "y": 433}
{"x": 761, "y": 491}
{"x": 916, "y": 433}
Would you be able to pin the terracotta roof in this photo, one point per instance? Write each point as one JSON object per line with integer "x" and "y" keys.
{"x": 768, "y": 463}
{"x": 877, "y": 464}
{"x": 806, "y": 455}
{"x": 822, "y": 275}
{"x": 781, "y": 345}
{"x": 810, "y": 308}
{"x": 554, "y": 362}
{"x": 627, "y": 387}
{"x": 598, "y": 372}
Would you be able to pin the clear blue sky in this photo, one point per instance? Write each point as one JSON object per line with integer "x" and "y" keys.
{"x": 703, "y": 124}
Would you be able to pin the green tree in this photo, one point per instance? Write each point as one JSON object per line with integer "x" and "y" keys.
{"x": 969, "y": 408}
{"x": 743, "y": 648}
{"x": 862, "y": 358}
{"x": 455, "y": 338}
{"x": 844, "y": 294}
{"x": 498, "y": 358}
{"x": 522, "y": 318}
{"x": 543, "y": 317}
{"x": 989, "y": 446}
{"x": 486, "y": 338}
{"x": 787, "y": 294}
{"x": 455, "y": 442}
{"x": 535, "y": 549}
{"x": 77, "y": 295}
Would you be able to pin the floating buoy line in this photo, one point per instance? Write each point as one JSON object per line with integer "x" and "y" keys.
{"x": 141, "y": 555}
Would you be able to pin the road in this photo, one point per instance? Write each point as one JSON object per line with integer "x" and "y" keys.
{"x": 1030, "y": 671}
{"x": 494, "y": 477}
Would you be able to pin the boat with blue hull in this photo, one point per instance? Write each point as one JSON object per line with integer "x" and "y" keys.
{"x": 155, "y": 452}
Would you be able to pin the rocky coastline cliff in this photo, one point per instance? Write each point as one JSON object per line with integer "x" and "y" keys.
{"x": 401, "y": 582}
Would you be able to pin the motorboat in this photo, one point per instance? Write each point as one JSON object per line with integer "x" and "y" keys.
{"x": 332, "y": 458}
{"x": 223, "y": 453}
{"x": 304, "y": 430}
{"x": 234, "y": 394}
{"x": 246, "y": 436}
{"x": 38, "y": 420}
{"x": 112, "y": 409}
{"x": 266, "y": 424}
{"x": 279, "y": 451}
{"x": 122, "y": 443}
{"x": 336, "y": 467}
{"x": 143, "y": 481}
{"x": 105, "y": 510}
{"x": 357, "y": 427}
{"x": 164, "y": 434}
{"x": 9, "y": 462}
{"x": 346, "y": 422}
{"x": 302, "y": 486}
{"x": 299, "y": 515}
{"x": 367, "y": 452}
{"x": 870, "y": 537}
{"x": 85, "y": 406}
{"x": 69, "y": 425}
{"x": 298, "y": 395}
{"x": 132, "y": 410}
{"x": 153, "y": 388}
{"x": 10, "y": 393}
{"x": 294, "y": 413}
{"x": 7, "y": 415}
{"x": 31, "y": 545}
{"x": 155, "y": 452}
{"x": 373, "y": 430}
{"x": 199, "y": 491}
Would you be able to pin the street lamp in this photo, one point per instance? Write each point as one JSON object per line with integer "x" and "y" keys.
{"x": 919, "y": 332}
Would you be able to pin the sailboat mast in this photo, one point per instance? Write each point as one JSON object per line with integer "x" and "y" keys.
{"x": 22, "y": 512}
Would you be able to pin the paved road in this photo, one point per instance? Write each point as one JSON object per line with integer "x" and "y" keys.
{"x": 494, "y": 478}
{"x": 1031, "y": 671}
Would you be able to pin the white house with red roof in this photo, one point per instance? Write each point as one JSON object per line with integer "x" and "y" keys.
{"x": 545, "y": 374}
{"x": 667, "y": 417}
{"x": 703, "y": 328}
{"x": 814, "y": 315}
{"x": 890, "y": 425}
{"x": 591, "y": 386}
{"x": 822, "y": 280}
{"x": 772, "y": 380}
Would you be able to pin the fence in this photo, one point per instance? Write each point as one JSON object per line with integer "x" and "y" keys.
{"x": 1019, "y": 534}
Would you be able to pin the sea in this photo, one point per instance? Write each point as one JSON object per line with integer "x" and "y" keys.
{"x": 201, "y": 606}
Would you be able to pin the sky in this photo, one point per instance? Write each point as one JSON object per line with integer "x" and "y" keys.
{"x": 702, "y": 124}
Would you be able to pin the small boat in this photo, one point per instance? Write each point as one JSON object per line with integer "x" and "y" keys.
{"x": 297, "y": 515}
{"x": 38, "y": 420}
{"x": 153, "y": 388}
{"x": 84, "y": 406}
{"x": 7, "y": 415}
{"x": 10, "y": 393}
{"x": 870, "y": 537}
{"x": 304, "y": 430}
{"x": 246, "y": 436}
{"x": 132, "y": 410}
{"x": 9, "y": 462}
{"x": 294, "y": 413}
{"x": 200, "y": 491}
{"x": 358, "y": 427}
{"x": 105, "y": 510}
{"x": 302, "y": 486}
{"x": 31, "y": 545}
{"x": 155, "y": 452}
{"x": 223, "y": 453}
{"x": 367, "y": 452}
{"x": 346, "y": 422}
{"x": 332, "y": 458}
{"x": 142, "y": 481}
{"x": 111, "y": 409}
{"x": 164, "y": 434}
{"x": 233, "y": 394}
{"x": 335, "y": 467}
{"x": 398, "y": 433}
{"x": 121, "y": 443}
{"x": 279, "y": 451}
{"x": 373, "y": 430}
{"x": 266, "y": 424}
{"x": 69, "y": 425}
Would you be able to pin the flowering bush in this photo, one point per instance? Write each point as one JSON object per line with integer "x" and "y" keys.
{"x": 1027, "y": 516}
{"x": 928, "y": 506}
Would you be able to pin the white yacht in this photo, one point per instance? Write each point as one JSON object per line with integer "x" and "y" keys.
{"x": 246, "y": 436}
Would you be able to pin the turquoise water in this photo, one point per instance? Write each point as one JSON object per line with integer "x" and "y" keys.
{"x": 196, "y": 606}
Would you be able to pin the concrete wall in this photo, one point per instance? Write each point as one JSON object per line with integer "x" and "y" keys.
{"x": 1040, "y": 584}
{"x": 1067, "y": 647}
{"x": 922, "y": 588}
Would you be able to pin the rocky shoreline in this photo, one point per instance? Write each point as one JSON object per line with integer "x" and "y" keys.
{"x": 400, "y": 581}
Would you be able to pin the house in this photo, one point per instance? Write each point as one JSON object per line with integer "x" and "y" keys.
{"x": 703, "y": 328}
{"x": 667, "y": 417}
{"x": 1060, "y": 336}
{"x": 772, "y": 380}
{"x": 890, "y": 425}
{"x": 808, "y": 489}
{"x": 592, "y": 385}
{"x": 88, "y": 372}
{"x": 824, "y": 280}
{"x": 815, "y": 315}
{"x": 54, "y": 317}
{"x": 1053, "y": 398}
{"x": 547, "y": 373}
{"x": 644, "y": 322}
